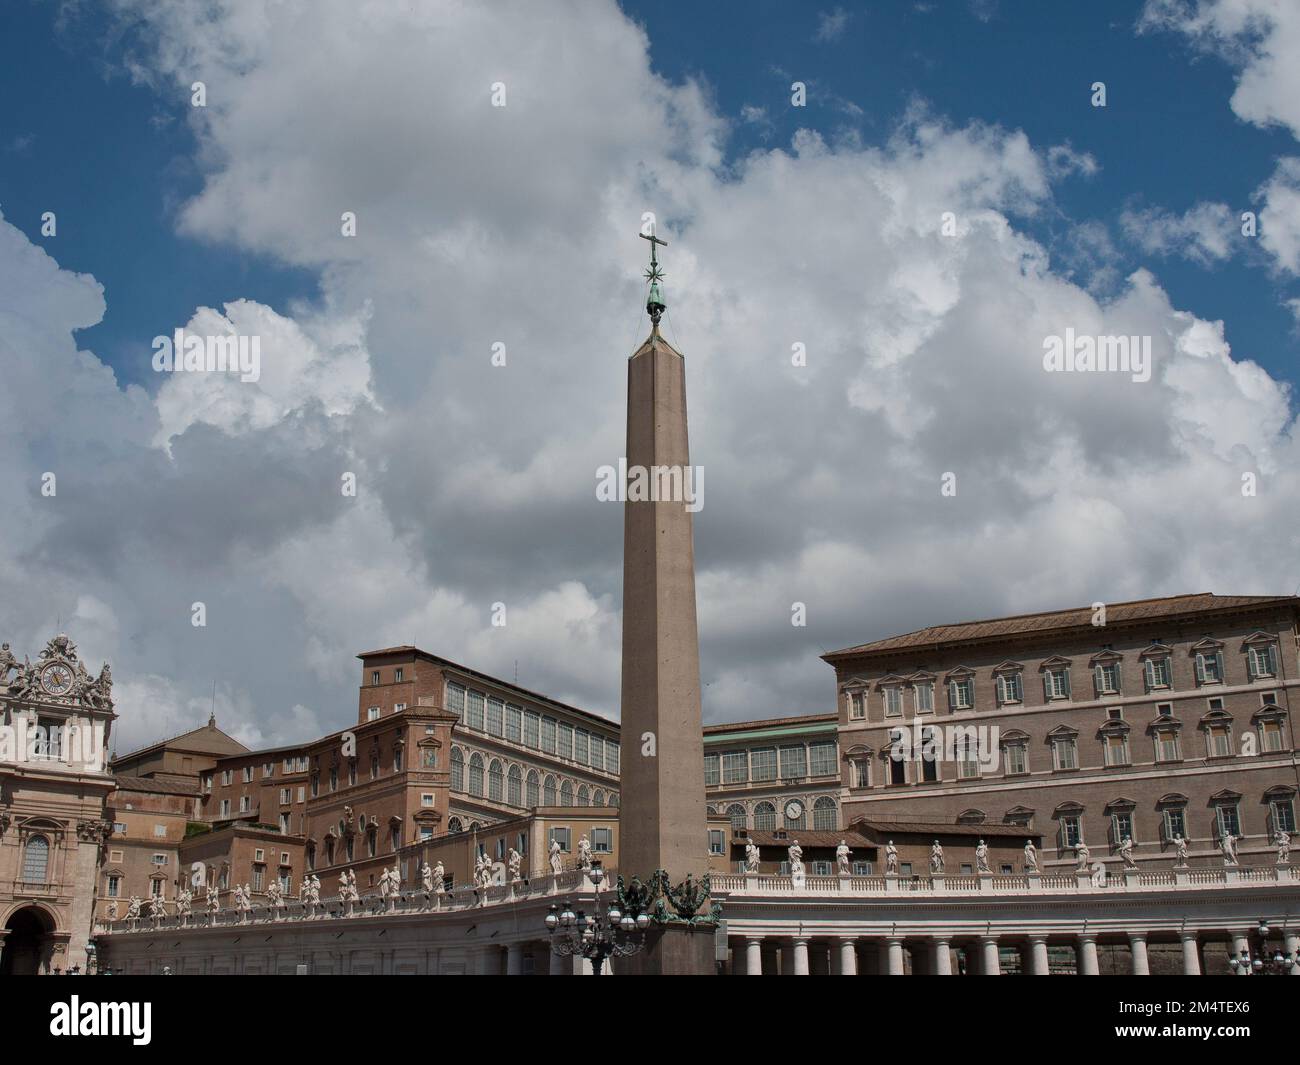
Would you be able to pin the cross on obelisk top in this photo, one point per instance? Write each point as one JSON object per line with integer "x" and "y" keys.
{"x": 655, "y": 300}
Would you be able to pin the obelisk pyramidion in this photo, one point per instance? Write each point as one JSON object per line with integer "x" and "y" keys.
{"x": 662, "y": 817}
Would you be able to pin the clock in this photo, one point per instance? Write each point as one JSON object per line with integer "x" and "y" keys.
{"x": 56, "y": 679}
{"x": 793, "y": 810}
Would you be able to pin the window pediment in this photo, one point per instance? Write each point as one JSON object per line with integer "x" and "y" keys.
{"x": 1068, "y": 809}
{"x": 1269, "y": 712}
{"x": 1259, "y": 637}
{"x": 960, "y": 673}
{"x": 1009, "y": 667}
{"x": 922, "y": 677}
{"x": 1062, "y": 732}
{"x": 1280, "y": 791}
{"x": 1206, "y": 645}
{"x": 1164, "y": 724}
{"x": 1174, "y": 798}
{"x": 891, "y": 680}
{"x": 1157, "y": 650}
{"x": 1018, "y": 815}
{"x": 1216, "y": 717}
{"x": 1121, "y": 804}
{"x": 1013, "y": 736}
{"x": 972, "y": 817}
{"x": 1055, "y": 662}
{"x": 1104, "y": 656}
{"x": 1226, "y": 795}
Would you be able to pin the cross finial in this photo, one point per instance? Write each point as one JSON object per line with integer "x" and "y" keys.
{"x": 655, "y": 300}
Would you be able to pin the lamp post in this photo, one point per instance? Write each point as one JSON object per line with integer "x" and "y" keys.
{"x": 609, "y": 932}
{"x": 1261, "y": 963}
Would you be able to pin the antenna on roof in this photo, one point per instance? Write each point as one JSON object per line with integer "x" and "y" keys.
{"x": 212, "y": 715}
{"x": 516, "y": 671}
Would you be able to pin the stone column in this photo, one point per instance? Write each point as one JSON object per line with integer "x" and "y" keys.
{"x": 942, "y": 958}
{"x": 848, "y": 956}
{"x": 1191, "y": 956}
{"x": 1038, "y": 965}
{"x": 1137, "y": 942}
{"x": 1241, "y": 942}
{"x": 515, "y": 959}
{"x": 800, "y": 956}
{"x": 894, "y": 956}
{"x": 754, "y": 956}
{"x": 990, "y": 964}
{"x": 1087, "y": 955}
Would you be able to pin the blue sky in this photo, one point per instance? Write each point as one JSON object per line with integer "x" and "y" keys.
{"x": 114, "y": 162}
{"x": 815, "y": 226}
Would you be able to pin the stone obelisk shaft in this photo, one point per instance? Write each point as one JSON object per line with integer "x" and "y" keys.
{"x": 662, "y": 817}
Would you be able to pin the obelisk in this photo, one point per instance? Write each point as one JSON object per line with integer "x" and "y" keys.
{"x": 662, "y": 821}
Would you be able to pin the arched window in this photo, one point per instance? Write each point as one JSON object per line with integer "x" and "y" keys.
{"x": 548, "y": 791}
{"x": 494, "y": 781}
{"x": 584, "y": 796}
{"x": 598, "y": 797}
{"x": 457, "y": 770}
{"x": 765, "y": 817}
{"x": 533, "y": 798}
{"x": 566, "y": 793}
{"x": 825, "y": 817}
{"x": 613, "y": 799}
{"x": 476, "y": 774}
{"x": 515, "y": 787}
{"x": 736, "y": 813}
{"x": 36, "y": 860}
{"x": 454, "y": 825}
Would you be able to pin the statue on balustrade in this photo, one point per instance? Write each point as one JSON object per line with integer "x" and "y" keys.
{"x": 936, "y": 858}
{"x": 214, "y": 904}
{"x": 1082, "y": 854}
{"x": 584, "y": 854}
{"x": 1126, "y": 853}
{"x": 514, "y": 862}
{"x": 1180, "y": 848}
{"x": 157, "y": 910}
{"x": 1031, "y": 857}
{"x": 275, "y": 900}
{"x": 891, "y": 858}
{"x": 842, "y": 855}
{"x": 796, "y": 862}
{"x": 184, "y": 903}
{"x": 751, "y": 856}
{"x": 556, "y": 857}
{"x": 1282, "y": 841}
{"x": 1228, "y": 848}
{"x": 982, "y": 857}
{"x": 133, "y": 910}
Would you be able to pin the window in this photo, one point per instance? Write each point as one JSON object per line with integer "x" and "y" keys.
{"x": 1159, "y": 673}
{"x": 515, "y": 787}
{"x": 923, "y": 697}
{"x": 532, "y": 789}
{"x": 1017, "y": 760}
{"x": 597, "y": 751}
{"x": 584, "y": 796}
{"x": 1071, "y": 832}
{"x": 532, "y": 726}
{"x": 1056, "y": 683}
{"x": 893, "y": 701}
{"x": 474, "y": 710}
{"x": 566, "y": 793}
{"x": 374, "y": 765}
{"x": 861, "y": 771}
{"x": 398, "y": 707}
{"x": 114, "y": 886}
{"x": 158, "y": 859}
{"x": 602, "y": 840}
{"x": 207, "y": 782}
{"x": 225, "y": 777}
{"x": 248, "y": 774}
{"x": 286, "y": 797}
{"x": 762, "y": 764}
{"x": 476, "y": 774}
{"x": 712, "y": 762}
{"x": 1009, "y": 690}
{"x": 1209, "y": 667}
{"x": 1270, "y": 736}
{"x": 1065, "y": 752}
{"x": 1167, "y": 745}
{"x": 454, "y": 825}
{"x": 735, "y": 767}
{"x": 560, "y": 836}
{"x": 397, "y": 675}
{"x": 1106, "y": 678}
{"x": 457, "y": 770}
{"x": 495, "y": 781}
{"x": 598, "y": 797}
{"x": 1228, "y": 820}
{"x": 825, "y": 815}
{"x": 736, "y": 814}
{"x": 352, "y": 773}
{"x": 1175, "y": 822}
{"x": 764, "y": 817}
{"x": 548, "y": 791}
{"x": 456, "y": 699}
{"x": 968, "y": 765}
{"x": 374, "y": 676}
{"x": 1115, "y": 747}
{"x": 857, "y": 707}
{"x": 1121, "y": 825}
{"x": 1261, "y": 661}
{"x": 1218, "y": 741}
{"x": 564, "y": 741}
{"x": 225, "y": 810}
{"x": 1164, "y": 709}
{"x": 259, "y": 874}
{"x": 548, "y": 735}
{"x": 284, "y": 823}
{"x": 794, "y": 762}
{"x": 862, "y": 868}
{"x": 611, "y": 756}
{"x": 245, "y": 804}
{"x": 334, "y": 778}
{"x": 36, "y": 860}
{"x": 717, "y": 841}
{"x": 961, "y": 694}
{"x": 514, "y": 723}
{"x": 580, "y": 754}
{"x": 426, "y": 799}
{"x": 821, "y": 759}
{"x": 1282, "y": 814}
{"x": 897, "y": 770}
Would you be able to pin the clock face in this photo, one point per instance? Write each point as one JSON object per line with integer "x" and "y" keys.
{"x": 793, "y": 810}
{"x": 56, "y": 679}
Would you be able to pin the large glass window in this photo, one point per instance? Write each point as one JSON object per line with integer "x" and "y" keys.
{"x": 762, "y": 763}
{"x": 474, "y": 710}
{"x": 456, "y": 699}
{"x": 515, "y": 787}
{"x": 735, "y": 767}
{"x": 494, "y": 781}
{"x": 736, "y": 813}
{"x": 611, "y": 756}
{"x": 457, "y": 770}
{"x": 548, "y": 735}
{"x": 564, "y": 742}
{"x": 580, "y": 754}
{"x": 825, "y": 815}
{"x": 548, "y": 791}
{"x": 532, "y": 790}
{"x": 711, "y": 769}
{"x": 765, "y": 817}
{"x": 532, "y": 725}
{"x": 476, "y": 774}
{"x": 36, "y": 860}
{"x": 514, "y": 724}
{"x": 794, "y": 762}
{"x": 496, "y": 717}
{"x": 821, "y": 759}
{"x": 597, "y": 752}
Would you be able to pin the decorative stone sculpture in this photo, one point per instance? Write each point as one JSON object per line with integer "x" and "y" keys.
{"x": 842, "y": 855}
{"x": 1126, "y": 853}
{"x": 751, "y": 856}
{"x": 348, "y": 894}
{"x": 439, "y": 880}
{"x": 891, "y": 858}
{"x": 133, "y": 912}
{"x": 8, "y": 663}
{"x": 556, "y": 857}
{"x": 1180, "y": 846}
{"x": 1228, "y": 848}
{"x": 214, "y": 905}
{"x": 244, "y": 902}
{"x": 796, "y": 864}
{"x": 1031, "y": 857}
{"x": 184, "y": 901}
{"x": 311, "y": 895}
{"x": 275, "y": 900}
{"x": 584, "y": 854}
{"x": 515, "y": 861}
{"x": 157, "y": 910}
{"x": 982, "y": 857}
{"x": 1282, "y": 841}
{"x": 936, "y": 858}
{"x": 1082, "y": 853}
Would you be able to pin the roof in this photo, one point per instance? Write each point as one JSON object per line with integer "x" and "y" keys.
{"x": 990, "y": 829}
{"x": 1075, "y": 617}
{"x": 161, "y": 787}
{"x": 487, "y": 678}
{"x": 207, "y": 739}
{"x": 772, "y": 722}
{"x": 853, "y": 835}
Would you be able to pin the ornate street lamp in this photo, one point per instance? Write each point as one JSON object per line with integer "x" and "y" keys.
{"x": 610, "y": 932}
{"x": 1261, "y": 963}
